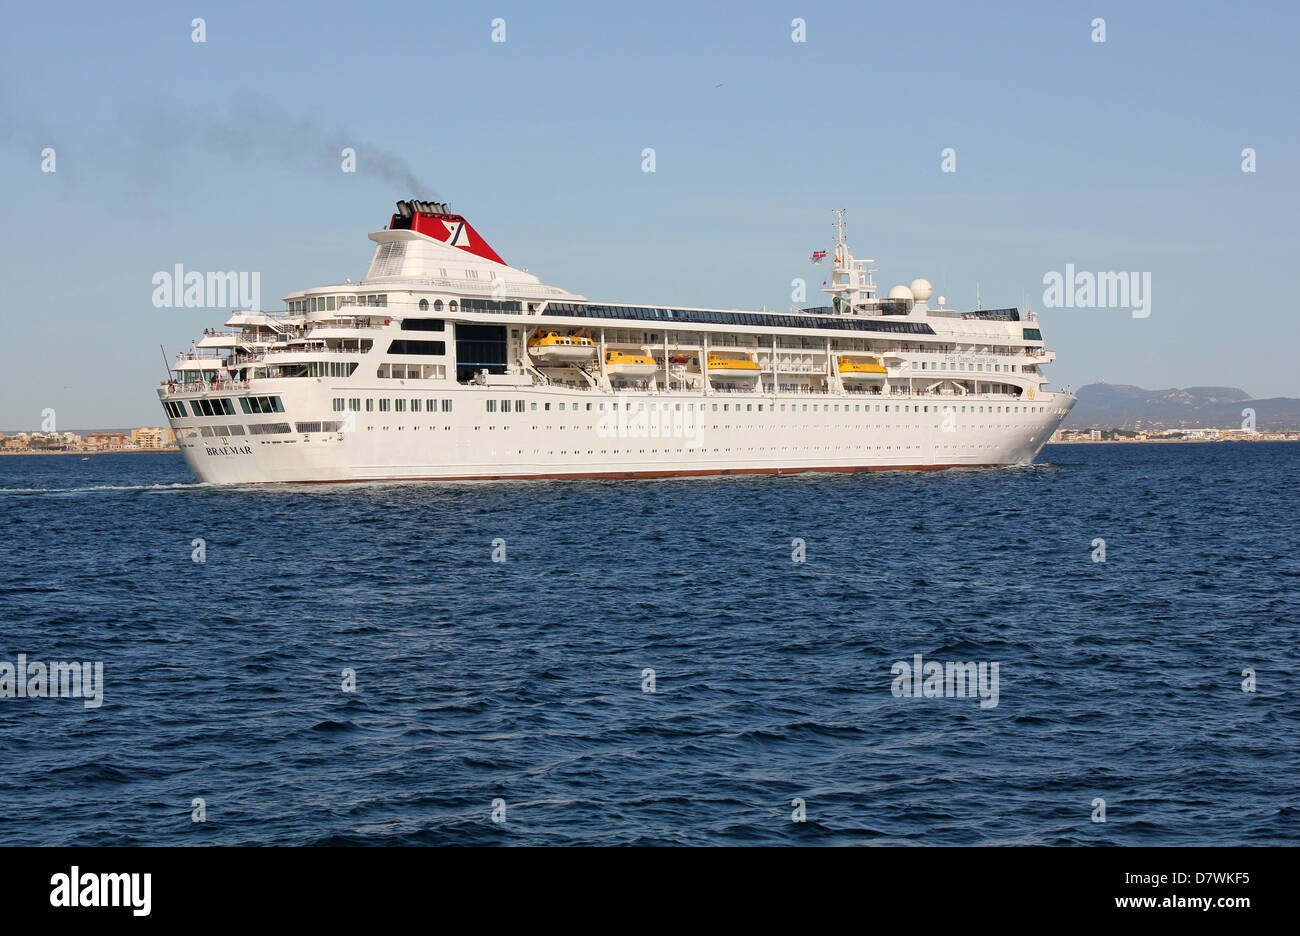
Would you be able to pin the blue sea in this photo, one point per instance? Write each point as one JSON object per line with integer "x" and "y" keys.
{"x": 694, "y": 661}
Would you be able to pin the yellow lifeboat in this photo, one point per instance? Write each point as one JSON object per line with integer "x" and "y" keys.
{"x": 732, "y": 367}
{"x": 629, "y": 364}
{"x": 550, "y": 347}
{"x": 860, "y": 368}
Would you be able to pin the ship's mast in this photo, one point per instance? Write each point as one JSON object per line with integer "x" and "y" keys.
{"x": 841, "y": 247}
{"x": 852, "y": 287}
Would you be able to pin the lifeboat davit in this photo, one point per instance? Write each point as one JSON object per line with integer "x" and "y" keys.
{"x": 732, "y": 368}
{"x": 629, "y": 364}
{"x": 860, "y": 368}
{"x": 550, "y": 347}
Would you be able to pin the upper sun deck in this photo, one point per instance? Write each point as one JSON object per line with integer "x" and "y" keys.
{"x": 430, "y": 262}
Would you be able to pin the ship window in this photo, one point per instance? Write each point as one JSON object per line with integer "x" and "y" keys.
{"x": 264, "y": 405}
{"x": 384, "y": 406}
{"x": 415, "y": 406}
{"x": 446, "y": 406}
{"x": 338, "y": 404}
{"x": 399, "y": 405}
{"x": 546, "y": 406}
{"x": 451, "y": 306}
{"x": 561, "y": 406}
{"x": 534, "y": 406}
{"x": 435, "y": 348}
{"x": 491, "y": 406}
{"x": 505, "y": 406}
{"x": 424, "y": 305}
{"x": 370, "y": 406}
{"x": 437, "y": 305}
{"x": 519, "y": 406}
{"x": 418, "y": 324}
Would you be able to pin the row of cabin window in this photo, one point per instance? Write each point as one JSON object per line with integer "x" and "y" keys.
{"x": 223, "y": 406}
{"x": 334, "y": 303}
{"x": 945, "y": 365}
{"x": 261, "y": 404}
{"x": 519, "y": 407}
{"x": 218, "y": 407}
{"x": 386, "y": 405}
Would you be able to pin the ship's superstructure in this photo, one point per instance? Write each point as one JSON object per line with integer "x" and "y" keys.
{"x": 446, "y": 363}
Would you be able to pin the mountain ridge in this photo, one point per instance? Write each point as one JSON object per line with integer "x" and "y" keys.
{"x": 1125, "y": 406}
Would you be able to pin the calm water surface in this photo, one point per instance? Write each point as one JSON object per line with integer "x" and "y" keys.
{"x": 523, "y": 680}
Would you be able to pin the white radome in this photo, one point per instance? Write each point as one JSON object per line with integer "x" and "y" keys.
{"x": 901, "y": 292}
{"x": 922, "y": 289}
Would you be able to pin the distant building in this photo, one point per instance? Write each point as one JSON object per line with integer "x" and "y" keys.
{"x": 149, "y": 438}
{"x": 106, "y": 440}
{"x": 1095, "y": 435}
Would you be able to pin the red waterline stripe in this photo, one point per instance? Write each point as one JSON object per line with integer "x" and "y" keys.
{"x": 631, "y": 475}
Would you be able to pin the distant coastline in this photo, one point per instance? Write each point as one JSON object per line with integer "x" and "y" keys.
{"x": 92, "y": 451}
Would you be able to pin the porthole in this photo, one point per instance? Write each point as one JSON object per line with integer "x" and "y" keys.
{"x": 424, "y": 305}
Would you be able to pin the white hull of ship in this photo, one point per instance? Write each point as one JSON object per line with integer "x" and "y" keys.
{"x": 470, "y": 443}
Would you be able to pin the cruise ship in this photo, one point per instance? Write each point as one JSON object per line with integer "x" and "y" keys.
{"x": 446, "y": 363}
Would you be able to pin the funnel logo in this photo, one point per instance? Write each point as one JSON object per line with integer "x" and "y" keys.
{"x": 457, "y": 236}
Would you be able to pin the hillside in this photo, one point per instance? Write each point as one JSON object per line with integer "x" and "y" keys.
{"x": 1121, "y": 406}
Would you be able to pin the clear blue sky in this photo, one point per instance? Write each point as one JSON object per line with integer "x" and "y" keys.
{"x": 223, "y": 156}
